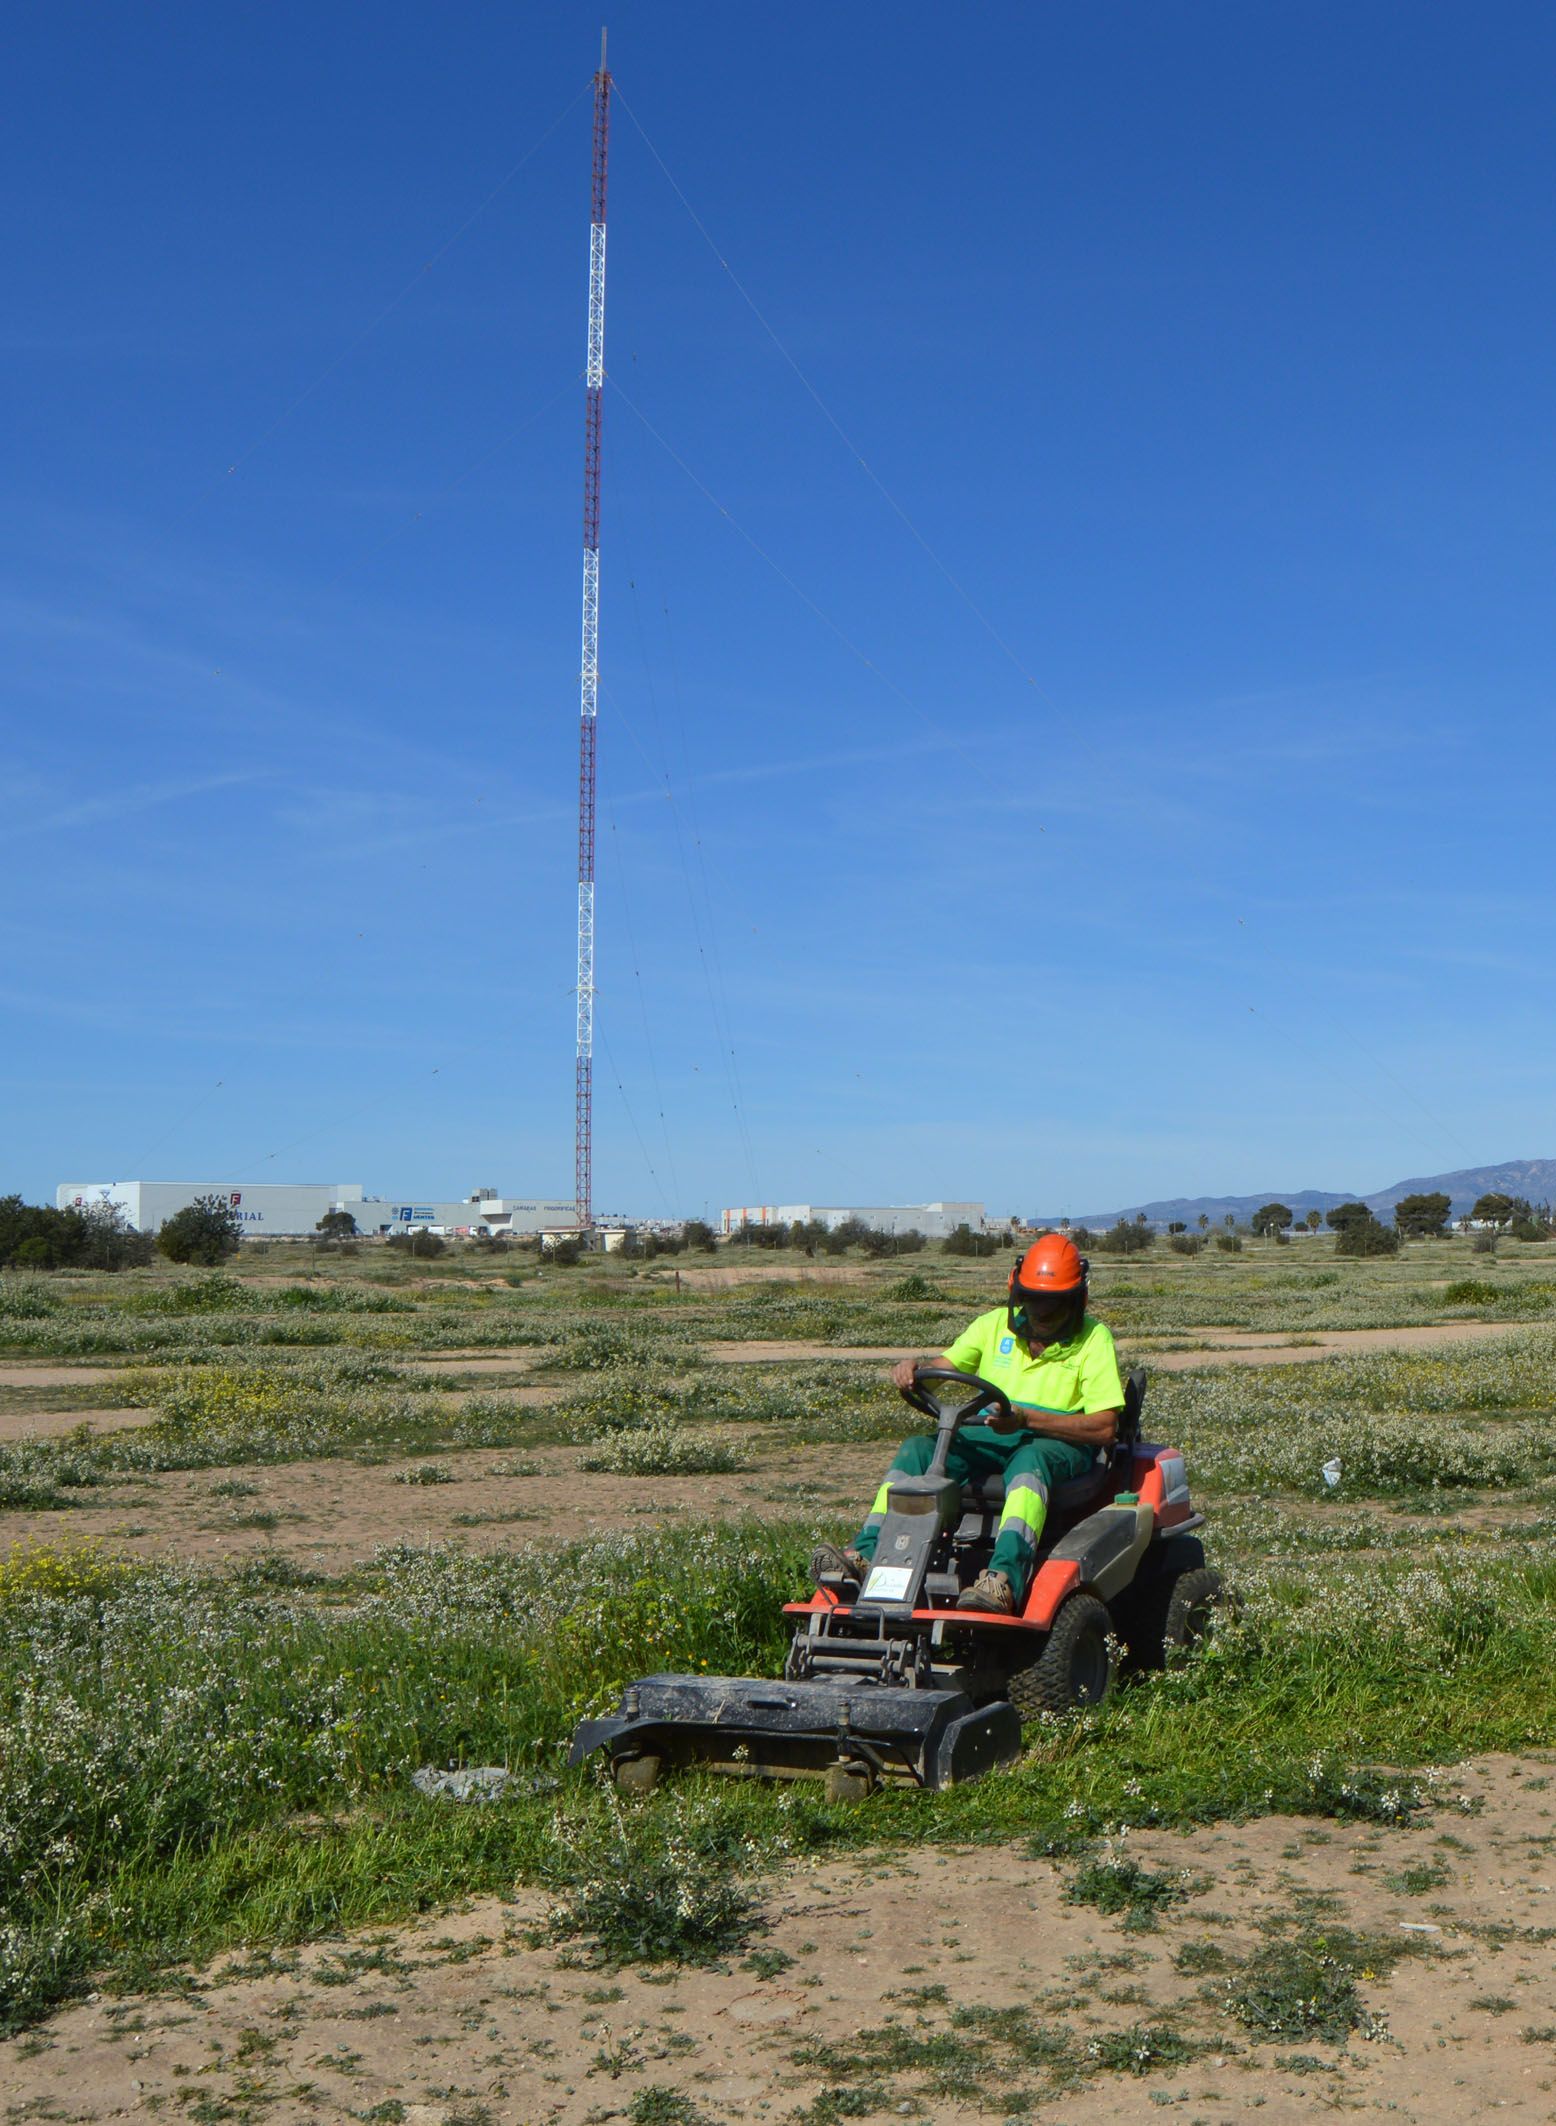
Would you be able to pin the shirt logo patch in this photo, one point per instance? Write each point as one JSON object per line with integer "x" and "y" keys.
{"x": 1007, "y": 1345}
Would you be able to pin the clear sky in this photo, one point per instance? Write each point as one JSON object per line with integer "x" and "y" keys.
{"x": 1205, "y": 347}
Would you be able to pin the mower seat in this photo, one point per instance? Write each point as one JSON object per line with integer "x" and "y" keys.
{"x": 988, "y": 1496}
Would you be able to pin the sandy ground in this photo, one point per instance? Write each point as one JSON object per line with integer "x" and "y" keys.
{"x": 327, "y": 1516}
{"x": 457, "y": 2021}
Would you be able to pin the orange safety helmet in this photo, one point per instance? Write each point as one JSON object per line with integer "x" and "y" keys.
{"x": 1048, "y": 1291}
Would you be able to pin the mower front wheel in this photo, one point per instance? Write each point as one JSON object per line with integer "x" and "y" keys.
{"x": 1075, "y": 1667}
{"x": 636, "y": 1775}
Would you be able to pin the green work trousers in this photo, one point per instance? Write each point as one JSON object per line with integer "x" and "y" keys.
{"x": 1027, "y": 1461}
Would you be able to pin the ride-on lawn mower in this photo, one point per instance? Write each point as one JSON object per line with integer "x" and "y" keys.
{"x": 890, "y": 1681}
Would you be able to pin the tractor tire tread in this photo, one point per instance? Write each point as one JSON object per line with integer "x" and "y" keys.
{"x": 1047, "y": 1685}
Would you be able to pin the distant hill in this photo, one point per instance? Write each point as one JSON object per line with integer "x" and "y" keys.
{"x": 1534, "y": 1178}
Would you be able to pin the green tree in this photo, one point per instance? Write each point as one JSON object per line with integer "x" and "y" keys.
{"x": 697, "y": 1233}
{"x": 36, "y": 1236}
{"x": 1204, "y": 1221}
{"x": 206, "y": 1231}
{"x": 337, "y": 1225}
{"x": 1349, "y": 1214}
{"x": 1314, "y": 1220}
{"x": 110, "y": 1242}
{"x": 1495, "y": 1209}
{"x": 1271, "y": 1218}
{"x": 1422, "y": 1216}
{"x": 1177, "y": 1225}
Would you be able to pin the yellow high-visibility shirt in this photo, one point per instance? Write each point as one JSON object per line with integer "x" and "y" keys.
{"x": 1080, "y": 1375}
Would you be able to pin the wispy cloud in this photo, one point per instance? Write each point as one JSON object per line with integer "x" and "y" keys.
{"x": 113, "y": 805}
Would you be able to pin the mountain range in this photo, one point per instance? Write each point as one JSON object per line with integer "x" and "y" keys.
{"x": 1534, "y": 1178}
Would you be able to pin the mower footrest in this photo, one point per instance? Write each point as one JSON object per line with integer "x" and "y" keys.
{"x": 748, "y": 1724}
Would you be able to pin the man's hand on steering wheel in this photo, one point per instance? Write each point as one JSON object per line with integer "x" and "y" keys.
{"x": 930, "y": 1385}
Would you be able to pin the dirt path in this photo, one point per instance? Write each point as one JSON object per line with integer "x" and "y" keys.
{"x": 458, "y": 2019}
{"x": 1244, "y": 1347}
{"x": 28, "y": 1373}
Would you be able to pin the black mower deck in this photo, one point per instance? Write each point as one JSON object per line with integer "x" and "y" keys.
{"x": 752, "y": 1725}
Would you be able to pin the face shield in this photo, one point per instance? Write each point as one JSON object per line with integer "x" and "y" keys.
{"x": 1045, "y": 1317}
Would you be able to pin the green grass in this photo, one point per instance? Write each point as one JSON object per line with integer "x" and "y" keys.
{"x": 164, "y": 1737}
{"x": 194, "y": 1760}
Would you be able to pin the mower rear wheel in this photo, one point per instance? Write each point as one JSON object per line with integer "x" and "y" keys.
{"x": 1142, "y": 1610}
{"x": 1191, "y": 1609}
{"x": 1075, "y": 1667}
{"x": 636, "y": 1775}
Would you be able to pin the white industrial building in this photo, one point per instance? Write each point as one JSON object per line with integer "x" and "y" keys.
{"x": 933, "y": 1220}
{"x": 273, "y": 1210}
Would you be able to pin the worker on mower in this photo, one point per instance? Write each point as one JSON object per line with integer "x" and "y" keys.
{"x": 1058, "y": 1366}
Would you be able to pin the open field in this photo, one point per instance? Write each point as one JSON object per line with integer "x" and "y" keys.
{"x": 270, "y": 1542}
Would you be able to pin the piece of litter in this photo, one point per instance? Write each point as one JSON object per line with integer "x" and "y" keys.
{"x": 1418, "y": 1926}
{"x": 477, "y": 1782}
{"x": 1331, "y": 1472}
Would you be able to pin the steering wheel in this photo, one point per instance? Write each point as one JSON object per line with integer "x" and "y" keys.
{"x": 939, "y": 1407}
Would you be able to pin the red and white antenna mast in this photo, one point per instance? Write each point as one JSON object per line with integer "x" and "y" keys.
{"x": 583, "y": 1180}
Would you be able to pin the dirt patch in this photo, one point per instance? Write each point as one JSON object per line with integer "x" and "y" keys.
{"x": 327, "y": 1516}
{"x": 458, "y": 2019}
{"x": 50, "y": 1424}
{"x": 26, "y": 1373}
{"x": 722, "y": 1280}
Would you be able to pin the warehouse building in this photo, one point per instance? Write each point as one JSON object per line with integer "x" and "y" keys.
{"x": 933, "y": 1220}
{"x": 274, "y": 1210}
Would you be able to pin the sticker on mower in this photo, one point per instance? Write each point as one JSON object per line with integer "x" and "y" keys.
{"x": 888, "y": 1583}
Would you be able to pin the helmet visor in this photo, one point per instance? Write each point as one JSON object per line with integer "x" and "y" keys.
{"x": 1045, "y": 1317}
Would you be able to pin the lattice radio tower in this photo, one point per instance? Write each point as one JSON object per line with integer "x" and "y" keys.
{"x": 583, "y": 1180}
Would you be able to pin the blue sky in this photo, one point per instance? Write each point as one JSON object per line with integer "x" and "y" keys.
{"x": 1208, "y": 349}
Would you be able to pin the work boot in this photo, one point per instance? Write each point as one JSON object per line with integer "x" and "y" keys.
{"x": 991, "y": 1591}
{"x": 828, "y": 1562}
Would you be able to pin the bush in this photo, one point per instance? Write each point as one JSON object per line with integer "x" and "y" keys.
{"x": 1302, "y": 1988}
{"x": 1128, "y": 1237}
{"x": 1484, "y": 1244}
{"x": 1229, "y": 1243}
{"x": 1471, "y": 1292}
{"x": 110, "y": 1242}
{"x": 1184, "y": 1243}
{"x": 24, "y": 1299}
{"x": 1529, "y": 1229}
{"x": 1367, "y": 1237}
{"x": 667, "y": 1886}
{"x": 962, "y": 1240}
{"x": 662, "y": 1449}
{"x": 1124, "y": 1886}
{"x": 97, "y": 1237}
{"x": 206, "y": 1231}
{"x": 914, "y": 1286}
